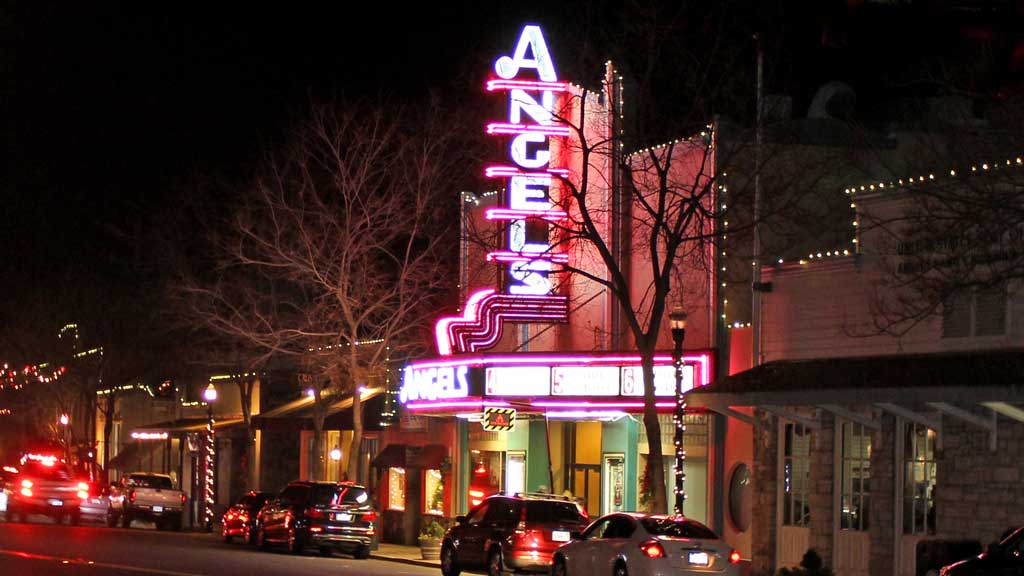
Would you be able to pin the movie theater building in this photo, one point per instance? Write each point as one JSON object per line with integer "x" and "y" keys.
{"x": 536, "y": 385}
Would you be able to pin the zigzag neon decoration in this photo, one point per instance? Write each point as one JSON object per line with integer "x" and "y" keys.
{"x": 480, "y": 326}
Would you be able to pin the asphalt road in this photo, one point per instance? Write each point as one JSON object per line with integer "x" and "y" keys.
{"x": 43, "y": 548}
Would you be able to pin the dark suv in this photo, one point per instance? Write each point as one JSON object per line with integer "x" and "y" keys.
{"x": 503, "y": 533}
{"x": 328, "y": 515}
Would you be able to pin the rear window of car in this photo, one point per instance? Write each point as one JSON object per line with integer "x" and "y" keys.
{"x": 147, "y": 481}
{"x": 676, "y": 528}
{"x": 545, "y": 511}
{"x": 39, "y": 470}
{"x": 324, "y": 495}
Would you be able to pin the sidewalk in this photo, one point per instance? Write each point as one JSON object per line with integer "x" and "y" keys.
{"x": 403, "y": 554}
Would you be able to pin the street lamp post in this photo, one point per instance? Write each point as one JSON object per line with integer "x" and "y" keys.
{"x": 677, "y": 322}
{"x": 210, "y": 395}
{"x": 65, "y": 433}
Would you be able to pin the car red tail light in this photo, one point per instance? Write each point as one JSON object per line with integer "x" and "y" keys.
{"x": 26, "y": 492}
{"x": 131, "y": 495}
{"x": 370, "y": 516}
{"x": 26, "y": 483}
{"x": 652, "y": 549}
{"x": 735, "y": 557}
{"x": 183, "y": 497}
{"x": 314, "y": 513}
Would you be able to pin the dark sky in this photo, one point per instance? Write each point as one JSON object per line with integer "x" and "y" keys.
{"x": 110, "y": 108}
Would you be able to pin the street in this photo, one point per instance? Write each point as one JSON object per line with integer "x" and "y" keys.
{"x": 44, "y": 548}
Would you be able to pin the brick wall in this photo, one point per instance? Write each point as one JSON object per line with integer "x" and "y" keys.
{"x": 764, "y": 503}
{"x": 979, "y": 492}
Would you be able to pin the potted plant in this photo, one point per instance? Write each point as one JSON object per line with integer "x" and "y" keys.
{"x": 430, "y": 540}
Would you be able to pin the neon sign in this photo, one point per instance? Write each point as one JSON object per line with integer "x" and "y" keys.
{"x": 434, "y": 382}
{"x": 528, "y": 76}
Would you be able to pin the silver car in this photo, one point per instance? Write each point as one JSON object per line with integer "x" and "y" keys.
{"x": 620, "y": 544}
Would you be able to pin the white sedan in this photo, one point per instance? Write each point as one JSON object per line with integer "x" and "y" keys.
{"x": 621, "y": 544}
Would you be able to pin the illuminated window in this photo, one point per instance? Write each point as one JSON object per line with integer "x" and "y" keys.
{"x": 856, "y": 477}
{"x": 919, "y": 480}
{"x": 796, "y": 476}
{"x": 434, "y": 492}
{"x": 396, "y": 488}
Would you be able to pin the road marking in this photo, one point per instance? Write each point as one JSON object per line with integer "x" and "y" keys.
{"x": 84, "y": 562}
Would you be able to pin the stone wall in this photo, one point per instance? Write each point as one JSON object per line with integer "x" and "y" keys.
{"x": 764, "y": 503}
{"x": 883, "y": 499}
{"x": 979, "y": 492}
{"x": 822, "y": 539}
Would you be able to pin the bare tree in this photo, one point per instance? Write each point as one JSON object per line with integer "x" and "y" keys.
{"x": 335, "y": 255}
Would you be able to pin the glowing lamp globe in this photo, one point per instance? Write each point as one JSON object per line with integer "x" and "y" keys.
{"x": 210, "y": 394}
{"x": 336, "y": 454}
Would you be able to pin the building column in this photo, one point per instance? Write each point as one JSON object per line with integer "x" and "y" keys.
{"x": 883, "y": 498}
{"x": 765, "y": 504}
{"x": 822, "y": 501}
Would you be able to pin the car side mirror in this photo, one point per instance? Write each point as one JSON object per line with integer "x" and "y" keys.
{"x": 460, "y": 519}
{"x": 575, "y": 535}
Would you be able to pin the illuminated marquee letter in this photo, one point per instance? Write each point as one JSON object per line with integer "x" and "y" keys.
{"x": 529, "y": 192}
{"x": 520, "y": 154}
{"x": 533, "y": 277}
{"x": 533, "y": 40}
{"x": 523, "y": 102}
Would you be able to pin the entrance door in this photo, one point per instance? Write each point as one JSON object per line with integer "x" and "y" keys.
{"x": 614, "y": 491}
{"x": 587, "y": 485}
{"x": 515, "y": 472}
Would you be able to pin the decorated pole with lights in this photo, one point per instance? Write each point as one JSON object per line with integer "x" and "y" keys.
{"x": 210, "y": 396}
{"x": 677, "y": 321}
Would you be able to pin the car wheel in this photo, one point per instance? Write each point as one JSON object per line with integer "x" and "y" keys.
{"x": 558, "y": 568}
{"x": 620, "y": 570}
{"x": 111, "y": 519}
{"x": 325, "y": 551}
{"x": 126, "y": 520}
{"x": 227, "y": 537}
{"x": 175, "y": 523}
{"x": 261, "y": 538}
{"x": 75, "y": 518}
{"x": 495, "y": 563}
{"x": 449, "y": 567}
{"x": 295, "y": 545}
{"x": 361, "y": 553}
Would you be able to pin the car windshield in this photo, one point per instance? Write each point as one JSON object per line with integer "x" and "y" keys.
{"x": 148, "y": 481}
{"x": 547, "y": 511}
{"x": 56, "y": 471}
{"x": 341, "y": 495}
{"x": 677, "y": 528}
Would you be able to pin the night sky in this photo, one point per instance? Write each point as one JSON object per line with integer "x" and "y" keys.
{"x": 111, "y": 110}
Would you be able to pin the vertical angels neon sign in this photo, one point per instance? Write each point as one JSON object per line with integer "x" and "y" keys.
{"x": 528, "y": 76}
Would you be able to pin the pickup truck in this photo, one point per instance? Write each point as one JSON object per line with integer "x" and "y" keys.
{"x": 148, "y": 496}
{"x": 43, "y": 486}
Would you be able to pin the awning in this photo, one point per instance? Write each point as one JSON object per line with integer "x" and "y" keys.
{"x": 298, "y": 414}
{"x": 430, "y": 457}
{"x": 392, "y": 456}
{"x": 183, "y": 426}
{"x": 130, "y": 457}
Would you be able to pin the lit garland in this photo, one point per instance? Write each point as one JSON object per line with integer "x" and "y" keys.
{"x": 15, "y": 380}
{"x": 210, "y": 447}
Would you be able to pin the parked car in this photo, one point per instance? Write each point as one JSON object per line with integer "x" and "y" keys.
{"x": 43, "y": 485}
{"x": 240, "y": 519}
{"x": 622, "y": 544}
{"x": 95, "y": 506}
{"x": 519, "y": 532}
{"x": 1004, "y": 557}
{"x": 146, "y": 495}
{"x": 327, "y": 515}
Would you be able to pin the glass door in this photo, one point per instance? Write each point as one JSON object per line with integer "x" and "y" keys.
{"x": 613, "y": 497}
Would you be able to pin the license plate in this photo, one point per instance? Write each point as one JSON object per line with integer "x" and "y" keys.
{"x": 158, "y": 508}
{"x": 343, "y": 517}
{"x": 56, "y": 502}
{"x": 559, "y": 536}
{"x": 698, "y": 558}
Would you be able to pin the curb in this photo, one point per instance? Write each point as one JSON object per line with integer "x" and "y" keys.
{"x": 410, "y": 561}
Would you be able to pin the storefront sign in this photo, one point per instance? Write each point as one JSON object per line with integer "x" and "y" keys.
{"x": 434, "y": 382}
{"x": 585, "y": 381}
{"x": 664, "y": 380}
{"x": 518, "y": 381}
{"x": 499, "y": 419}
{"x": 528, "y": 257}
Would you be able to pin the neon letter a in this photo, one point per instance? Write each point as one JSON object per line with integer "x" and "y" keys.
{"x": 531, "y": 37}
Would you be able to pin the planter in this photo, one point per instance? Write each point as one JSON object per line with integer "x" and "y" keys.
{"x": 430, "y": 548}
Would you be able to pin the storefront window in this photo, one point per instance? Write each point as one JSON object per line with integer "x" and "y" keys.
{"x": 515, "y": 476}
{"x": 396, "y": 488}
{"x": 919, "y": 480}
{"x": 796, "y": 476}
{"x": 856, "y": 477}
{"x": 434, "y": 491}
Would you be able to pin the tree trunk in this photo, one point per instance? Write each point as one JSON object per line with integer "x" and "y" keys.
{"x": 108, "y": 428}
{"x": 357, "y": 436}
{"x": 655, "y": 460}
{"x": 319, "y": 415}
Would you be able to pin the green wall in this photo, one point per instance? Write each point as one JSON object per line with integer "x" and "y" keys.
{"x": 622, "y": 437}
{"x": 537, "y": 470}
